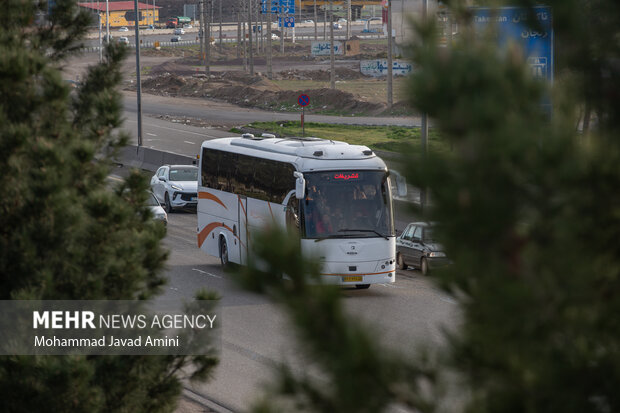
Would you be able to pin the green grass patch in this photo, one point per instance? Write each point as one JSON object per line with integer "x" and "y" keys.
{"x": 384, "y": 138}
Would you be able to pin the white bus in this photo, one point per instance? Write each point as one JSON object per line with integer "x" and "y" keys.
{"x": 336, "y": 195}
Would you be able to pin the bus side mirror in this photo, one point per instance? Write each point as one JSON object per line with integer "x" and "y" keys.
{"x": 401, "y": 183}
{"x": 300, "y": 185}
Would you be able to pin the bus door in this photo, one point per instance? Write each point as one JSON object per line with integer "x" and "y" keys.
{"x": 243, "y": 229}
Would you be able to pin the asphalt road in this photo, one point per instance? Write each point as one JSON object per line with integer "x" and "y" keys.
{"x": 226, "y": 114}
{"x": 257, "y": 335}
{"x": 229, "y": 32}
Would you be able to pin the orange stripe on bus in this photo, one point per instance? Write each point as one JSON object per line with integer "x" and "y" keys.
{"x": 207, "y": 195}
{"x": 242, "y": 206}
{"x": 204, "y": 233}
{"x": 270, "y": 211}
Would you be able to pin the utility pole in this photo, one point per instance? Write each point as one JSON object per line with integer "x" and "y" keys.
{"x": 208, "y": 45}
{"x": 201, "y": 32}
{"x": 325, "y": 23}
{"x": 138, "y": 82}
{"x": 269, "y": 44}
{"x": 100, "y": 45}
{"x": 424, "y": 126}
{"x": 238, "y": 34}
{"x": 245, "y": 43}
{"x": 220, "y": 38}
{"x": 107, "y": 22}
{"x": 258, "y": 27}
{"x": 390, "y": 57}
{"x": 250, "y": 37}
{"x": 315, "y": 22}
{"x": 332, "y": 61}
{"x": 261, "y": 47}
{"x": 281, "y": 24}
{"x": 348, "y": 19}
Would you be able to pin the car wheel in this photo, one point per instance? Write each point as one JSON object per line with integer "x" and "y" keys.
{"x": 424, "y": 266}
{"x": 224, "y": 253}
{"x": 362, "y": 286}
{"x": 401, "y": 262}
{"x": 167, "y": 204}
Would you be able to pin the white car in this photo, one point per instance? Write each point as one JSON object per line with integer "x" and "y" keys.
{"x": 158, "y": 212}
{"x": 176, "y": 186}
{"x": 179, "y": 31}
{"x": 308, "y": 21}
{"x": 123, "y": 29}
{"x": 123, "y": 40}
{"x": 188, "y": 26}
{"x": 337, "y": 26}
{"x": 342, "y": 20}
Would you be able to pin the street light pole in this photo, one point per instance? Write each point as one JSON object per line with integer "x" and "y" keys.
{"x": 332, "y": 73}
{"x": 390, "y": 57}
{"x": 100, "y": 45}
{"x": 107, "y": 21}
{"x": 138, "y": 81}
{"x": 250, "y": 38}
{"x": 424, "y": 125}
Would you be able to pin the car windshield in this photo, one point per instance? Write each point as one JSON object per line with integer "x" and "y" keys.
{"x": 184, "y": 174}
{"x": 347, "y": 204}
{"x": 151, "y": 200}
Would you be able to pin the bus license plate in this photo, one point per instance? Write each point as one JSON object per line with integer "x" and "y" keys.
{"x": 352, "y": 278}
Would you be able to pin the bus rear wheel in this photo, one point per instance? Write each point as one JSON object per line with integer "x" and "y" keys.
{"x": 224, "y": 253}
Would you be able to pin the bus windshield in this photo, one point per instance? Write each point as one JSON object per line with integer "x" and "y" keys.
{"x": 347, "y": 204}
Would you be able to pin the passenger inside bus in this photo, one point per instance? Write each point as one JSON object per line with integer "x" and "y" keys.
{"x": 323, "y": 225}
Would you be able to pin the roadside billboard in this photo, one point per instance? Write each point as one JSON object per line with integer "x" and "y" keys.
{"x": 322, "y": 48}
{"x": 513, "y": 25}
{"x": 379, "y": 67}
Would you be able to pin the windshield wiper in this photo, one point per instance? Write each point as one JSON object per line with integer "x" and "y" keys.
{"x": 364, "y": 230}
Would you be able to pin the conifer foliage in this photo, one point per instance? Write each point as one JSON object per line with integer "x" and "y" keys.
{"x": 527, "y": 206}
{"x": 64, "y": 234}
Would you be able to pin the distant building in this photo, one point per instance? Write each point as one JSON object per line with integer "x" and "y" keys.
{"x": 122, "y": 13}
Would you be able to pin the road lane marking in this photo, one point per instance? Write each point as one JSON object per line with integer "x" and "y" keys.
{"x": 205, "y": 272}
{"x": 191, "y": 143}
{"x": 151, "y": 134}
{"x": 177, "y": 130}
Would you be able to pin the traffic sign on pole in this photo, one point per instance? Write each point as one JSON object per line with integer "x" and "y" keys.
{"x": 303, "y": 100}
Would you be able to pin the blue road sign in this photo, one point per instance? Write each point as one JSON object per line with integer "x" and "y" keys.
{"x": 286, "y": 21}
{"x": 535, "y": 37}
{"x": 303, "y": 100}
{"x": 278, "y": 6}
